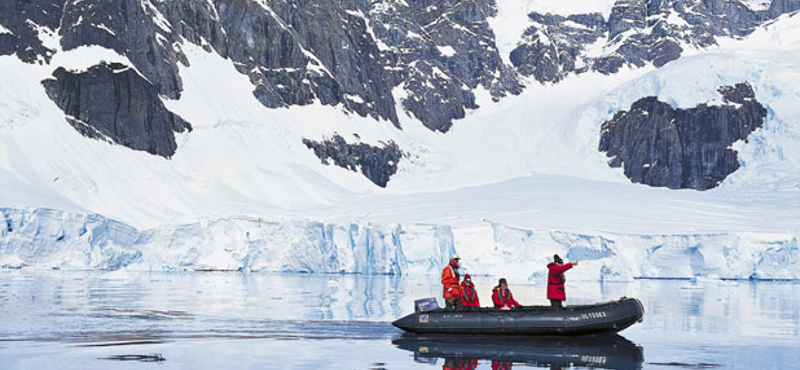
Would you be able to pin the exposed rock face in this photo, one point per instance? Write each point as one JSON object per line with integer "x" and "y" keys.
{"x": 113, "y": 102}
{"x": 637, "y": 32}
{"x": 351, "y": 53}
{"x": 659, "y": 145}
{"x": 439, "y": 52}
{"x": 376, "y": 163}
{"x": 24, "y": 20}
{"x": 552, "y": 48}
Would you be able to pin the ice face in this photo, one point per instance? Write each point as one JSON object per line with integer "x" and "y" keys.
{"x": 44, "y": 238}
{"x": 49, "y": 239}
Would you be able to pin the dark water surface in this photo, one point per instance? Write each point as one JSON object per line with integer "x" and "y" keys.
{"x": 120, "y": 320}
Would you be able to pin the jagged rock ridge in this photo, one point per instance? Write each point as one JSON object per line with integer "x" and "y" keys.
{"x": 350, "y": 53}
{"x": 636, "y": 33}
{"x": 659, "y": 145}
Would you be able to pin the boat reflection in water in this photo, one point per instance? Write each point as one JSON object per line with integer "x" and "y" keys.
{"x": 464, "y": 352}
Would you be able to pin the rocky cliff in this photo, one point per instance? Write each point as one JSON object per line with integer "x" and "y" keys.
{"x": 113, "y": 102}
{"x": 637, "y": 32}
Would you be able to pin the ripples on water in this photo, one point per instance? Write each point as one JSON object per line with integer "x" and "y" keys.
{"x": 250, "y": 321}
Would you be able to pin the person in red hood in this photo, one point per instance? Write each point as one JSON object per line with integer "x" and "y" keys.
{"x": 469, "y": 297}
{"x": 555, "y": 281}
{"x": 451, "y": 291}
{"x": 498, "y": 365}
{"x": 502, "y": 297}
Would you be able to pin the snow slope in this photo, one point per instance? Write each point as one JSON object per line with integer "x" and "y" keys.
{"x": 528, "y": 162}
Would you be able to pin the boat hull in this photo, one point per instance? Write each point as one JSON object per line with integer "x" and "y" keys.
{"x": 610, "y": 317}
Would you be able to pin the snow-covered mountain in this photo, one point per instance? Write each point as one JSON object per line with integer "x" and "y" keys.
{"x": 341, "y": 123}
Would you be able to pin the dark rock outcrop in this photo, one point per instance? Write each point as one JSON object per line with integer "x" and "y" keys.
{"x": 378, "y": 164}
{"x": 25, "y": 19}
{"x": 113, "y": 102}
{"x": 439, "y": 52}
{"x": 637, "y": 32}
{"x": 659, "y": 145}
{"x": 551, "y": 49}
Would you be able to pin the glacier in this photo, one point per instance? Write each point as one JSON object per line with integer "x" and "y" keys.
{"x": 40, "y": 238}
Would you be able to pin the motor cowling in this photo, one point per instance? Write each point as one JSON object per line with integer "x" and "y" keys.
{"x": 426, "y": 304}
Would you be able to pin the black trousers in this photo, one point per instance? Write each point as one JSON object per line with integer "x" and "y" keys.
{"x": 556, "y": 303}
{"x": 453, "y": 304}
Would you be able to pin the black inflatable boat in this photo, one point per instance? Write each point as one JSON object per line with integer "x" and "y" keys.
{"x": 605, "y": 351}
{"x": 610, "y": 317}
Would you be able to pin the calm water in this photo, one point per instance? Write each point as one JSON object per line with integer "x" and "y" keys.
{"x": 123, "y": 320}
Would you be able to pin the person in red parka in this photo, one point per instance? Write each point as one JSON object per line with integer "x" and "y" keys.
{"x": 469, "y": 364}
{"x": 452, "y": 364}
{"x": 451, "y": 291}
{"x": 502, "y": 297}
{"x": 469, "y": 297}
{"x": 555, "y": 281}
{"x": 498, "y": 365}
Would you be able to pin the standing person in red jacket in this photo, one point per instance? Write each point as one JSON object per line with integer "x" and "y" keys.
{"x": 451, "y": 291}
{"x": 498, "y": 365}
{"x": 502, "y": 297}
{"x": 555, "y": 281}
{"x": 469, "y": 297}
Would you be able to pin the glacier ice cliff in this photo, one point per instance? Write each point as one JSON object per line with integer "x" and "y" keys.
{"x": 51, "y": 239}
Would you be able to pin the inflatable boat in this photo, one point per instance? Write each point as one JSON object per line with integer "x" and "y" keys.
{"x": 605, "y": 351}
{"x": 610, "y": 317}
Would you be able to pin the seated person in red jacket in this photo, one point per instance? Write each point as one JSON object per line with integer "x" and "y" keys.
{"x": 469, "y": 297}
{"x": 502, "y": 297}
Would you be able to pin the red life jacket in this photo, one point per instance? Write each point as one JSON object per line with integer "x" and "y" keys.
{"x": 470, "y": 296}
{"x": 504, "y": 299}
{"x": 450, "y": 287}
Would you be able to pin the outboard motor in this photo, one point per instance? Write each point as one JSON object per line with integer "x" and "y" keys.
{"x": 426, "y": 304}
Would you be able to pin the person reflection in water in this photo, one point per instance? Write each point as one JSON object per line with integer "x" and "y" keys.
{"x": 469, "y": 297}
{"x": 555, "y": 281}
{"x": 499, "y": 365}
{"x": 502, "y": 297}
{"x": 459, "y": 364}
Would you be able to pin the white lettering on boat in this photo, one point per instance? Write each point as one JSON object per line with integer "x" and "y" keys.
{"x": 593, "y": 315}
{"x": 593, "y": 359}
{"x": 459, "y": 316}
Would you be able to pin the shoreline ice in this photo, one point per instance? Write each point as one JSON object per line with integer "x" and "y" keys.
{"x": 40, "y": 238}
